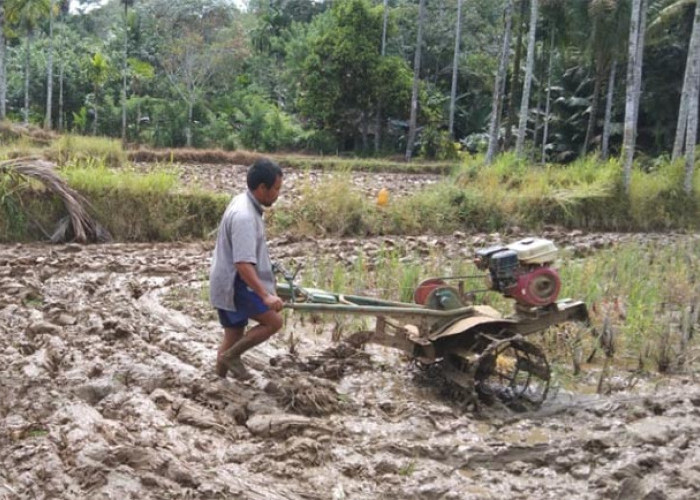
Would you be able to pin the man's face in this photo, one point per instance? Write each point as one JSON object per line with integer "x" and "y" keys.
{"x": 269, "y": 195}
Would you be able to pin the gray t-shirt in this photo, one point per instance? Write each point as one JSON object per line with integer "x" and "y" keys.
{"x": 241, "y": 238}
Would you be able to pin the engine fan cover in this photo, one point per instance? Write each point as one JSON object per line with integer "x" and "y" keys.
{"x": 537, "y": 288}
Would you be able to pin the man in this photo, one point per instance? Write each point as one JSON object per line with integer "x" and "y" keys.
{"x": 241, "y": 280}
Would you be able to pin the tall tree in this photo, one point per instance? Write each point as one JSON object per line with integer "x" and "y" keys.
{"x": 688, "y": 85}
{"x": 416, "y": 80}
{"x": 499, "y": 85}
{"x": 548, "y": 98}
{"x": 634, "y": 77}
{"x": 527, "y": 84}
{"x": 455, "y": 67}
{"x": 125, "y": 64}
{"x": 49, "y": 69}
{"x": 607, "y": 123}
{"x": 3, "y": 78}
{"x": 26, "y": 14}
{"x": 692, "y": 97}
{"x": 514, "y": 93}
{"x": 98, "y": 72}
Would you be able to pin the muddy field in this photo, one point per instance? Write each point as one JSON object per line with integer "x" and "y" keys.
{"x": 107, "y": 390}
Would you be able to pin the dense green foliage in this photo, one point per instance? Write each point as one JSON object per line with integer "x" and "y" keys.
{"x": 302, "y": 75}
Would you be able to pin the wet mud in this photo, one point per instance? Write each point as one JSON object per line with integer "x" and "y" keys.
{"x": 107, "y": 390}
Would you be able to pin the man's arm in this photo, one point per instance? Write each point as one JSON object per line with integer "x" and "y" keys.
{"x": 247, "y": 272}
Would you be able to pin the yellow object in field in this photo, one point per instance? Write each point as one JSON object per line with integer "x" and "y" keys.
{"x": 505, "y": 364}
{"x": 383, "y": 197}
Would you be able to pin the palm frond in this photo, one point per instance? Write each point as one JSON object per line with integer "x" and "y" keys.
{"x": 84, "y": 228}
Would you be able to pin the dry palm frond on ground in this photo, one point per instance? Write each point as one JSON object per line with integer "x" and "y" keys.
{"x": 84, "y": 228}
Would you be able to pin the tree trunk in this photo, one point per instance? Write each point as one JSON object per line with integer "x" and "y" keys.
{"x": 455, "y": 64}
{"x": 188, "y": 129}
{"x": 687, "y": 85}
{"x": 124, "y": 66}
{"x": 499, "y": 85}
{"x": 548, "y": 100}
{"x": 379, "y": 116}
{"x": 692, "y": 132}
{"x": 538, "y": 105}
{"x": 61, "y": 65}
{"x": 640, "y": 63}
{"x": 593, "y": 116}
{"x": 49, "y": 72}
{"x": 94, "y": 117}
{"x": 631, "y": 99}
{"x": 515, "y": 79}
{"x": 25, "y": 109}
{"x": 693, "y": 95}
{"x": 384, "y": 25}
{"x": 3, "y": 78}
{"x": 416, "y": 79}
{"x": 530, "y": 66}
{"x": 605, "y": 147}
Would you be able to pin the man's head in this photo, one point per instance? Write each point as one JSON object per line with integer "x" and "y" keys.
{"x": 265, "y": 181}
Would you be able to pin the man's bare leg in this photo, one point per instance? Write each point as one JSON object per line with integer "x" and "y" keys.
{"x": 269, "y": 323}
{"x": 231, "y": 336}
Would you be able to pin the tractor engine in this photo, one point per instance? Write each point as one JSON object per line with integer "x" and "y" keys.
{"x": 522, "y": 271}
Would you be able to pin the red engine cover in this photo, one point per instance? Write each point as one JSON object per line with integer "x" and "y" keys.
{"x": 539, "y": 287}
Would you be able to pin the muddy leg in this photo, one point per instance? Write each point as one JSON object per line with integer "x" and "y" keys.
{"x": 231, "y": 336}
{"x": 269, "y": 323}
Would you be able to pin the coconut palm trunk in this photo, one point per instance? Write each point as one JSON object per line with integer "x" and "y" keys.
{"x": 499, "y": 85}
{"x": 510, "y": 109}
{"x": 548, "y": 99}
{"x": 25, "y": 108}
{"x": 593, "y": 115}
{"x": 49, "y": 72}
{"x": 683, "y": 108}
{"x": 527, "y": 84}
{"x": 634, "y": 65}
{"x": 455, "y": 64}
{"x": 416, "y": 80}
{"x": 125, "y": 55}
{"x": 607, "y": 123}
{"x": 692, "y": 132}
{"x": 379, "y": 117}
{"x": 3, "y": 78}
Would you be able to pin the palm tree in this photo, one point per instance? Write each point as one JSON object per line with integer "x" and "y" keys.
{"x": 529, "y": 69}
{"x": 416, "y": 79}
{"x": 26, "y": 14}
{"x": 49, "y": 70}
{"x": 499, "y": 85}
{"x": 634, "y": 81}
{"x": 3, "y": 78}
{"x": 126, "y": 4}
{"x": 608, "y": 24}
{"x": 455, "y": 63}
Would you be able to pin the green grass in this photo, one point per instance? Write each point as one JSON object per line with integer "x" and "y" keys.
{"x": 72, "y": 148}
{"x": 94, "y": 176}
{"x": 643, "y": 289}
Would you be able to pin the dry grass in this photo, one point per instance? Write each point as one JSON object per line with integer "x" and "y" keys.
{"x": 84, "y": 228}
{"x": 193, "y": 156}
{"x": 14, "y": 131}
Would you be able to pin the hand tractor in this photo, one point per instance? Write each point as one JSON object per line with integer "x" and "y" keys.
{"x": 483, "y": 352}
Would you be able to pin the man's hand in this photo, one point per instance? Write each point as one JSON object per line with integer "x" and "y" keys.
{"x": 273, "y": 302}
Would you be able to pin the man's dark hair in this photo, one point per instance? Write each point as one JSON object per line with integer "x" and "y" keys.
{"x": 263, "y": 171}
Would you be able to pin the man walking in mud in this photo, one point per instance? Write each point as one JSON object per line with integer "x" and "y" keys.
{"x": 241, "y": 280}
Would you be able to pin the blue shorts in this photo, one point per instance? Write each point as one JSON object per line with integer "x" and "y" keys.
{"x": 248, "y": 304}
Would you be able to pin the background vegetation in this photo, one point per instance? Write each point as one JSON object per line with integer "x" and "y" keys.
{"x": 328, "y": 77}
{"x": 137, "y": 204}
